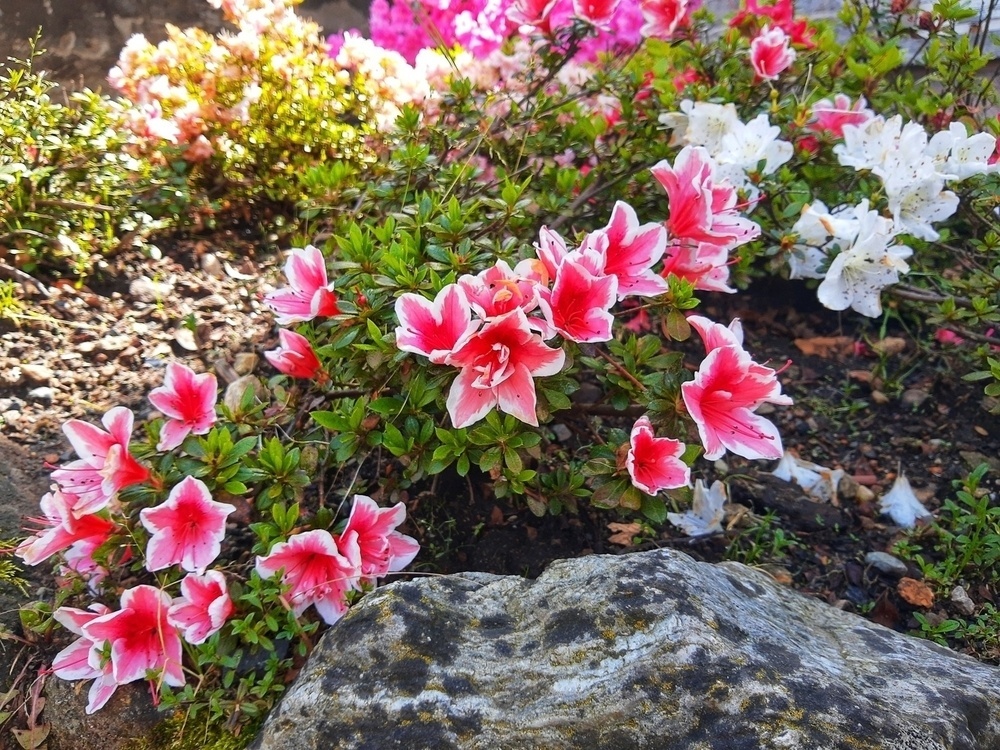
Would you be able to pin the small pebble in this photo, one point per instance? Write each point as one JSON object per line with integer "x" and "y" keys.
{"x": 211, "y": 265}
{"x": 37, "y": 374}
{"x": 42, "y": 393}
{"x": 562, "y": 432}
{"x": 11, "y": 416}
{"x": 963, "y": 603}
{"x": 914, "y": 397}
{"x": 245, "y": 362}
{"x": 886, "y": 563}
{"x": 144, "y": 289}
{"x": 863, "y": 495}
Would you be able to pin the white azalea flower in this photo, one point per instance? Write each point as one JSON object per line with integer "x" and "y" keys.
{"x": 865, "y": 146}
{"x": 916, "y": 204}
{"x": 817, "y": 481}
{"x": 708, "y": 124}
{"x": 967, "y": 155}
{"x": 819, "y": 231}
{"x": 706, "y": 514}
{"x": 900, "y": 504}
{"x": 746, "y": 145}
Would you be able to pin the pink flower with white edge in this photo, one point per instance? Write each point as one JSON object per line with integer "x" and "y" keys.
{"x": 663, "y": 17}
{"x": 598, "y": 12}
{"x": 187, "y": 529}
{"x": 551, "y": 249}
{"x": 81, "y": 660}
{"x": 831, "y": 117}
{"x": 498, "y": 365}
{"x": 188, "y": 402}
{"x": 579, "y": 305}
{"x": 532, "y": 13}
{"x": 308, "y": 294}
{"x": 105, "y": 464}
{"x": 705, "y": 265}
{"x": 64, "y": 528}
{"x": 383, "y": 549}
{"x": 498, "y": 290}
{"x": 141, "y": 638}
{"x": 295, "y": 356}
{"x": 632, "y": 251}
{"x": 654, "y": 463}
{"x": 202, "y": 608}
{"x": 317, "y": 571}
{"x": 713, "y": 335}
{"x": 771, "y": 53}
{"x": 434, "y": 329}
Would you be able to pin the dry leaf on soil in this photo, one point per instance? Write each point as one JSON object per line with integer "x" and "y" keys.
{"x": 825, "y": 346}
{"x": 915, "y": 592}
{"x": 624, "y": 533}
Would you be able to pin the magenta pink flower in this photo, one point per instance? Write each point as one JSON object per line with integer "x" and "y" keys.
{"x": 64, "y": 528}
{"x": 598, "y": 12}
{"x": 663, "y": 17}
{"x": 383, "y": 549}
{"x": 105, "y": 465}
{"x": 141, "y": 638}
{"x": 655, "y": 463}
{"x": 434, "y": 329}
{"x": 202, "y": 608}
{"x": 771, "y": 53}
{"x": 578, "y": 305}
{"x": 700, "y": 209}
{"x": 295, "y": 356}
{"x": 831, "y": 117}
{"x": 188, "y": 402}
{"x": 498, "y": 290}
{"x": 81, "y": 660}
{"x": 498, "y": 365}
{"x": 308, "y": 294}
{"x": 187, "y": 529}
{"x": 632, "y": 251}
{"x": 317, "y": 571}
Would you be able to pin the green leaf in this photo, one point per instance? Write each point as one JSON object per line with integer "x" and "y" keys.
{"x": 654, "y": 509}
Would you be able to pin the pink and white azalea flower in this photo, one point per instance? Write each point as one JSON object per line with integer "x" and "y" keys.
{"x": 188, "y": 402}
{"x": 202, "y": 608}
{"x": 579, "y": 305}
{"x": 434, "y": 329}
{"x": 64, "y": 528}
{"x": 498, "y": 365}
{"x": 81, "y": 660}
{"x": 187, "y": 529}
{"x": 308, "y": 294}
{"x": 831, "y": 117}
{"x": 705, "y": 265}
{"x": 383, "y": 549}
{"x": 532, "y": 13}
{"x": 663, "y": 17}
{"x": 632, "y": 251}
{"x": 551, "y": 249}
{"x": 294, "y": 356}
{"x": 105, "y": 465}
{"x": 714, "y": 335}
{"x": 654, "y": 463}
{"x": 141, "y": 638}
{"x": 598, "y": 12}
{"x": 498, "y": 290}
{"x": 317, "y": 571}
{"x": 771, "y": 53}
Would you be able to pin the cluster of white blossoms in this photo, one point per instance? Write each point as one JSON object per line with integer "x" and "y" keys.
{"x": 738, "y": 148}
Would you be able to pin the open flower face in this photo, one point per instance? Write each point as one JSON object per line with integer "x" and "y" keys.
{"x": 308, "y": 294}
{"x": 434, "y": 329}
{"x": 654, "y": 463}
{"x": 203, "y": 606}
{"x": 632, "y": 251}
{"x": 771, "y": 53}
{"x": 63, "y": 530}
{"x": 81, "y": 660}
{"x": 187, "y": 529}
{"x": 188, "y": 402}
{"x": 579, "y": 304}
{"x": 383, "y": 549}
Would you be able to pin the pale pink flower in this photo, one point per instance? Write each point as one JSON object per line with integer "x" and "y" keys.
{"x": 654, "y": 463}
{"x": 202, "y": 608}
{"x": 64, "y": 528}
{"x": 579, "y": 305}
{"x": 831, "y": 117}
{"x": 188, "y": 402}
{"x": 294, "y": 356}
{"x": 632, "y": 251}
{"x": 434, "y": 329}
{"x": 141, "y": 638}
{"x": 771, "y": 53}
{"x": 498, "y": 366}
{"x": 187, "y": 529}
{"x": 308, "y": 294}
{"x": 598, "y": 12}
{"x": 498, "y": 290}
{"x": 81, "y": 660}
{"x": 383, "y": 549}
{"x": 105, "y": 465}
{"x": 663, "y": 17}
{"x": 317, "y": 571}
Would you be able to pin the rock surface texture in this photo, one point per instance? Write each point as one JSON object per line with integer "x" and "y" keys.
{"x": 650, "y": 650}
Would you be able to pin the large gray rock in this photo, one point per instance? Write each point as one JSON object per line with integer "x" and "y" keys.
{"x": 650, "y": 650}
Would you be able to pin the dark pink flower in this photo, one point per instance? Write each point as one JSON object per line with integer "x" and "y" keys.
{"x": 105, "y": 464}
{"x": 655, "y": 463}
{"x": 383, "y": 549}
{"x": 831, "y": 117}
{"x": 771, "y": 53}
{"x": 316, "y": 570}
{"x": 308, "y": 294}
{"x": 532, "y": 13}
{"x": 141, "y": 639}
{"x": 598, "y": 12}
{"x": 663, "y": 17}
{"x": 187, "y": 529}
{"x": 294, "y": 356}
{"x": 188, "y": 402}
{"x": 202, "y": 608}
{"x": 632, "y": 251}
{"x": 434, "y": 329}
{"x": 498, "y": 365}
{"x": 578, "y": 305}
{"x": 64, "y": 528}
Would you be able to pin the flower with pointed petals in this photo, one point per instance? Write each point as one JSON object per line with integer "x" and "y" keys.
{"x": 771, "y": 53}
{"x": 498, "y": 365}
{"x": 294, "y": 356}
{"x": 383, "y": 549}
{"x": 598, "y": 12}
{"x": 532, "y": 13}
{"x": 551, "y": 249}
{"x": 187, "y": 529}
{"x": 141, "y": 638}
{"x": 663, "y": 17}
{"x": 654, "y": 463}
{"x": 704, "y": 265}
{"x": 902, "y": 505}
{"x": 81, "y": 660}
{"x": 202, "y": 608}
{"x": 64, "y": 528}
{"x": 308, "y": 294}
{"x": 105, "y": 465}
{"x": 707, "y": 511}
{"x": 317, "y": 570}
{"x": 632, "y": 251}
{"x": 436, "y": 328}
{"x": 498, "y": 290}
{"x": 188, "y": 402}
{"x": 831, "y": 117}
{"x": 579, "y": 305}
